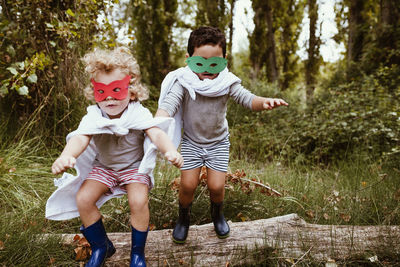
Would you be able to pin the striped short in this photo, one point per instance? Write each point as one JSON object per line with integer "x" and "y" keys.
{"x": 113, "y": 178}
{"x": 215, "y": 157}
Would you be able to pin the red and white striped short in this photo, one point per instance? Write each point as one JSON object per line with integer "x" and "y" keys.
{"x": 113, "y": 178}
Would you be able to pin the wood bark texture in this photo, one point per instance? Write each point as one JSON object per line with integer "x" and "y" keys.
{"x": 286, "y": 236}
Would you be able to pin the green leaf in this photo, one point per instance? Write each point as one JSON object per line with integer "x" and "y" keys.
{"x": 52, "y": 43}
{"x": 70, "y": 12}
{"x": 32, "y": 78}
{"x": 11, "y": 50}
{"x": 12, "y": 70}
{"x": 3, "y": 90}
{"x": 21, "y": 65}
{"x": 23, "y": 90}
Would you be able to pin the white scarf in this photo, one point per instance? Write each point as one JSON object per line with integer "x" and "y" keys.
{"x": 62, "y": 205}
{"x": 191, "y": 82}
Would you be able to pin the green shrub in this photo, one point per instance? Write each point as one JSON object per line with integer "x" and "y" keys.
{"x": 362, "y": 116}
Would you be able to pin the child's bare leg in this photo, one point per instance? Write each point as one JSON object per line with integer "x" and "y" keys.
{"x": 139, "y": 205}
{"x": 216, "y": 185}
{"x": 188, "y": 185}
{"x": 86, "y": 198}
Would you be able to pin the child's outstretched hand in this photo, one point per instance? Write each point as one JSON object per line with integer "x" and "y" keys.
{"x": 175, "y": 158}
{"x": 62, "y": 164}
{"x": 270, "y": 103}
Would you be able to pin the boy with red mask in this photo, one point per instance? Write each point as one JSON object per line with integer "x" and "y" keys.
{"x": 114, "y": 152}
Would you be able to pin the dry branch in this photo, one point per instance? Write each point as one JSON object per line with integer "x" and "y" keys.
{"x": 286, "y": 236}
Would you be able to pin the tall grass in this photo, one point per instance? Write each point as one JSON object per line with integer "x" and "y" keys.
{"x": 353, "y": 192}
{"x": 357, "y": 191}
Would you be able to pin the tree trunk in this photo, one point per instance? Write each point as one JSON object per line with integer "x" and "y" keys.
{"x": 272, "y": 68}
{"x": 229, "y": 44}
{"x": 286, "y": 236}
{"x": 312, "y": 63}
{"x": 388, "y": 30}
{"x": 257, "y": 40}
{"x": 356, "y": 31}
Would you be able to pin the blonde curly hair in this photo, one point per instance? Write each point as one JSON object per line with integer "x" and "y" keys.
{"x": 105, "y": 61}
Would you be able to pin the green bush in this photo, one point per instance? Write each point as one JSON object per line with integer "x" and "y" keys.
{"x": 362, "y": 116}
{"x": 40, "y": 72}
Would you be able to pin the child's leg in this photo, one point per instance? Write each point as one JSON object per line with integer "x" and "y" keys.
{"x": 216, "y": 186}
{"x": 86, "y": 198}
{"x": 139, "y": 205}
{"x": 93, "y": 228}
{"x": 188, "y": 185}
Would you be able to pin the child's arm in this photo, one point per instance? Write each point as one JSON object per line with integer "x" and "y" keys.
{"x": 262, "y": 103}
{"x": 161, "y": 113}
{"x": 164, "y": 144}
{"x": 75, "y": 146}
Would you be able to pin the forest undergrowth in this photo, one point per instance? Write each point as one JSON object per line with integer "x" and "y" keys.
{"x": 350, "y": 192}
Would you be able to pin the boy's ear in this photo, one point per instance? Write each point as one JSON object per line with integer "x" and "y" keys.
{"x": 187, "y": 55}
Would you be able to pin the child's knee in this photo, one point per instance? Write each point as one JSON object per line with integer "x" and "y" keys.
{"x": 83, "y": 199}
{"x": 138, "y": 202}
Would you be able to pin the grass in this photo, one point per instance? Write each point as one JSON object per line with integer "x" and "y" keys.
{"x": 355, "y": 192}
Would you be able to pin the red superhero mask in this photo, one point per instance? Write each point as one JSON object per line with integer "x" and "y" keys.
{"x": 117, "y": 89}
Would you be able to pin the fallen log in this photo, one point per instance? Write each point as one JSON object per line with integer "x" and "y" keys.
{"x": 286, "y": 236}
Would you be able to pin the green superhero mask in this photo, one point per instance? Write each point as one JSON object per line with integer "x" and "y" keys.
{"x": 212, "y": 65}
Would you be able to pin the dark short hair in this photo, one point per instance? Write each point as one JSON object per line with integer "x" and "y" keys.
{"x": 206, "y": 35}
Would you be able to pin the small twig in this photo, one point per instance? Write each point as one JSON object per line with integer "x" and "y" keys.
{"x": 308, "y": 251}
{"x": 263, "y": 185}
{"x": 201, "y": 193}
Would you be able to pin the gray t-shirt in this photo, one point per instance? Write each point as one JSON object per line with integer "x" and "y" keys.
{"x": 119, "y": 152}
{"x": 204, "y": 119}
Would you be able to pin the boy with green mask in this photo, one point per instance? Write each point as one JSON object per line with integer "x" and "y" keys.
{"x": 196, "y": 96}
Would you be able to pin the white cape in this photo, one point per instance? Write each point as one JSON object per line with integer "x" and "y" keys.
{"x": 191, "y": 82}
{"x": 62, "y": 205}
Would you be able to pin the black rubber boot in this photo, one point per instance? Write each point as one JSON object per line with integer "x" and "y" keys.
{"x": 221, "y": 227}
{"x": 181, "y": 229}
{"x": 101, "y": 246}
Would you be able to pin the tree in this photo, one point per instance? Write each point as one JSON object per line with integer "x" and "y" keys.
{"x": 212, "y": 13}
{"x": 262, "y": 41}
{"x": 290, "y": 16}
{"x": 230, "y": 40}
{"x": 41, "y": 46}
{"x": 272, "y": 68}
{"x": 357, "y": 30}
{"x": 152, "y": 21}
{"x": 386, "y": 43}
{"x": 313, "y": 61}
{"x": 257, "y": 39}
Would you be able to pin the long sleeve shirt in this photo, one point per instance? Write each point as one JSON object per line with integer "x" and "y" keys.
{"x": 204, "y": 119}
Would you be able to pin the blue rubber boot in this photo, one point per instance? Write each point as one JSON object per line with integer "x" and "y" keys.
{"x": 101, "y": 246}
{"x": 138, "y": 244}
